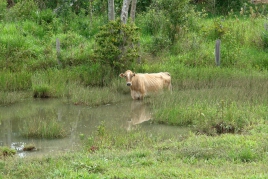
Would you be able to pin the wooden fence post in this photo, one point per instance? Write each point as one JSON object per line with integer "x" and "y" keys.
{"x": 217, "y": 52}
{"x": 58, "y": 52}
{"x": 265, "y": 26}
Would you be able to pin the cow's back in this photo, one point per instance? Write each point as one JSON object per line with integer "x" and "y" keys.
{"x": 155, "y": 81}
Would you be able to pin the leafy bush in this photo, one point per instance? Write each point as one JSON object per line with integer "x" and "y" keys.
{"x": 219, "y": 7}
{"x": 3, "y": 6}
{"x": 45, "y": 16}
{"x": 159, "y": 43}
{"x": 117, "y": 45}
{"x": 177, "y": 14}
{"x": 153, "y": 22}
{"x": 22, "y": 10}
{"x": 215, "y": 30}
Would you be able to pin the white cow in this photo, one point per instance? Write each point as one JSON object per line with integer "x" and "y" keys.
{"x": 143, "y": 83}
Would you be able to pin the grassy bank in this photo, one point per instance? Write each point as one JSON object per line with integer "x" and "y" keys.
{"x": 139, "y": 155}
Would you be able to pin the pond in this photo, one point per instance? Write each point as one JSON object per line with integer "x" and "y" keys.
{"x": 78, "y": 120}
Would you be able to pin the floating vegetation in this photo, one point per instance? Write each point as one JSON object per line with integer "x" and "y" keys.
{"x": 29, "y": 147}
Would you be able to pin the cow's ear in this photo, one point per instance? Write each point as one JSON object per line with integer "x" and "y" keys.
{"x": 121, "y": 75}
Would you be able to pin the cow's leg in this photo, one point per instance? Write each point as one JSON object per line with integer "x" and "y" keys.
{"x": 133, "y": 94}
{"x": 136, "y": 95}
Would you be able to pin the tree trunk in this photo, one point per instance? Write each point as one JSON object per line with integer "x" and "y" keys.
{"x": 111, "y": 16}
{"x": 90, "y": 11}
{"x": 10, "y": 3}
{"x": 124, "y": 13}
{"x": 133, "y": 10}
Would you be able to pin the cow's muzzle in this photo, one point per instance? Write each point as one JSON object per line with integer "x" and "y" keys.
{"x": 129, "y": 84}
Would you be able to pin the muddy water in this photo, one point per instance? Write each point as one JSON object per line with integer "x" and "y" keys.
{"x": 128, "y": 115}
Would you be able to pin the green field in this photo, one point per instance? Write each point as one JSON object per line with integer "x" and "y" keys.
{"x": 225, "y": 106}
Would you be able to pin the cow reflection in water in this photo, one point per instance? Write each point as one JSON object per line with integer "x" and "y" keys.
{"x": 139, "y": 114}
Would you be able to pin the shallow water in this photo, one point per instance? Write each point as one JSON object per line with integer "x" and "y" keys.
{"x": 128, "y": 115}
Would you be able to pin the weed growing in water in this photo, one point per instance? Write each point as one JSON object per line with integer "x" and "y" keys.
{"x": 43, "y": 128}
{"x": 6, "y": 152}
{"x": 41, "y": 91}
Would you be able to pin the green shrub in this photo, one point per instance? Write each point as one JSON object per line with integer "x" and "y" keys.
{"x": 152, "y": 22}
{"x": 177, "y": 15}
{"x": 45, "y": 16}
{"x": 159, "y": 44}
{"x": 22, "y": 10}
{"x": 216, "y": 29}
{"x": 117, "y": 45}
{"x": 30, "y": 28}
{"x": 3, "y": 6}
{"x": 223, "y": 7}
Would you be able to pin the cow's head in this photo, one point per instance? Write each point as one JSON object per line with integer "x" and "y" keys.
{"x": 128, "y": 75}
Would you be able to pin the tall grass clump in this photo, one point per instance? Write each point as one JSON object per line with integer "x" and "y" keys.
{"x": 38, "y": 127}
{"x": 93, "y": 96}
{"x": 53, "y": 83}
{"x": 243, "y": 149}
{"x": 9, "y": 97}
{"x": 6, "y": 152}
{"x": 10, "y": 81}
{"x": 215, "y": 109}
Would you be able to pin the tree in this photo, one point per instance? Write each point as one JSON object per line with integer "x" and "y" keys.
{"x": 124, "y": 12}
{"x": 117, "y": 45}
{"x": 111, "y": 15}
{"x": 133, "y": 10}
{"x": 10, "y": 3}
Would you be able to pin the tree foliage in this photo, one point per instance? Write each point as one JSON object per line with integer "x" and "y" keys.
{"x": 176, "y": 15}
{"x": 117, "y": 45}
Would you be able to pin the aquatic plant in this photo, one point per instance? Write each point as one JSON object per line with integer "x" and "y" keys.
{"x": 41, "y": 91}
{"x": 6, "y": 152}
{"x": 43, "y": 128}
{"x": 29, "y": 147}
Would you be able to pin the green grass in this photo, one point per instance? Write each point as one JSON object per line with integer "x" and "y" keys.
{"x": 143, "y": 156}
{"x": 6, "y": 152}
{"x": 38, "y": 127}
{"x": 236, "y": 104}
{"x": 225, "y": 107}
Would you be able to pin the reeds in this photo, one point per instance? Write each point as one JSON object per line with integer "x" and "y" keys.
{"x": 233, "y": 106}
{"x": 48, "y": 128}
